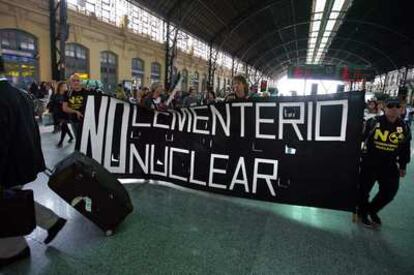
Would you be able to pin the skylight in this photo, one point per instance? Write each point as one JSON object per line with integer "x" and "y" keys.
{"x": 325, "y": 19}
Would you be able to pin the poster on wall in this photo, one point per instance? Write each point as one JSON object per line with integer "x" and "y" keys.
{"x": 300, "y": 150}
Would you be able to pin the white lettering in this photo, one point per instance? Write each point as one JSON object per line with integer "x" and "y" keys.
{"x": 134, "y": 119}
{"x": 293, "y": 122}
{"x": 344, "y": 121}
{"x": 156, "y": 124}
{"x": 89, "y": 132}
{"x": 197, "y": 118}
{"x": 192, "y": 165}
{"x": 242, "y": 115}
{"x": 240, "y": 165}
{"x": 134, "y": 154}
{"x": 120, "y": 169}
{"x": 216, "y": 114}
{"x": 214, "y": 170}
{"x": 267, "y": 178}
{"x": 172, "y": 150}
{"x": 310, "y": 116}
{"x": 260, "y": 120}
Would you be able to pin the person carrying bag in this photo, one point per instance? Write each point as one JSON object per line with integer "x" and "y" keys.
{"x": 21, "y": 159}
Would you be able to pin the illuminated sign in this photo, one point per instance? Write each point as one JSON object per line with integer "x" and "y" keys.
{"x": 330, "y": 72}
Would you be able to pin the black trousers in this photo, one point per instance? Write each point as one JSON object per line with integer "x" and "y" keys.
{"x": 65, "y": 130}
{"x": 388, "y": 178}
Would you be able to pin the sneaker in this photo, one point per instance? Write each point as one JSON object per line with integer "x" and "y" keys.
{"x": 54, "y": 230}
{"x": 365, "y": 221}
{"x": 59, "y": 145}
{"x": 25, "y": 253}
{"x": 375, "y": 218}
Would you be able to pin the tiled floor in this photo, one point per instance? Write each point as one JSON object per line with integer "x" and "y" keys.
{"x": 173, "y": 231}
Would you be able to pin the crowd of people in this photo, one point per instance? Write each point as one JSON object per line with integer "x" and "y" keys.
{"x": 386, "y": 138}
{"x": 63, "y": 101}
{"x": 158, "y": 98}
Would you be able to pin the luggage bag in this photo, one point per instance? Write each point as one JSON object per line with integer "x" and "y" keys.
{"x": 92, "y": 190}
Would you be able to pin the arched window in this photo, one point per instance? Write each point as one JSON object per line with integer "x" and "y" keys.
{"x": 184, "y": 80}
{"x": 155, "y": 72}
{"x": 109, "y": 71}
{"x": 76, "y": 60}
{"x": 138, "y": 71}
{"x": 20, "y": 51}
{"x": 196, "y": 81}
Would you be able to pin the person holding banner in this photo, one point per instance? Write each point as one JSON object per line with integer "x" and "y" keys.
{"x": 386, "y": 153}
{"x": 240, "y": 90}
{"x": 155, "y": 100}
{"x": 21, "y": 159}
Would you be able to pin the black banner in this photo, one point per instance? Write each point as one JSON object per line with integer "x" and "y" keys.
{"x": 295, "y": 150}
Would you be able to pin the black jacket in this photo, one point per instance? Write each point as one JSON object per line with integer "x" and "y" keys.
{"x": 21, "y": 157}
{"x": 387, "y": 142}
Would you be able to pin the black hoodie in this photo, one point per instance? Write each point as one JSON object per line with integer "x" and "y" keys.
{"x": 387, "y": 142}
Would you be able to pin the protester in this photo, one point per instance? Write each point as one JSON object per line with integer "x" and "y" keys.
{"x": 74, "y": 103}
{"x": 385, "y": 156}
{"x": 155, "y": 99}
{"x": 21, "y": 159}
{"x": 120, "y": 93}
{"x": 44, "y": 90}
{"x": 61, "y": 117}
{"x": 372, "y": 109}
{"x": 192, "y": 99}
{"x": 407, "y": 113}
{"x": 240, "y": 90}
{"x": 210, "y": 97}
{"x": 135, "y": 93}
{"x": 34, "y": 89}
{"x": 51, "y": 109}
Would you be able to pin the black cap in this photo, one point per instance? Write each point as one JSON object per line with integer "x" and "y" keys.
{"x": 392, "y": 100}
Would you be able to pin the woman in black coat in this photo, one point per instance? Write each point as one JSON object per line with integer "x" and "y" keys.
{"x": 60, "y": 116}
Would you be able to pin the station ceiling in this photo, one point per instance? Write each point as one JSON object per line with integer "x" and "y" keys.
{"x": 272, "y": 34}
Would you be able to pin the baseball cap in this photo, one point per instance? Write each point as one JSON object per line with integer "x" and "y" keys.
{"x": 392, "y": 99}
{"x": 392, "y": 102}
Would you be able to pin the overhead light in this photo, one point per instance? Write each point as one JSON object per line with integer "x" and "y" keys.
{"x": 324, "y": 40}
{"x": 334, "y": 15}
{"x": 330, "y": 25}
{"x": 323, "y": 32}
{"x": 338, "y": 5}
{"x": 327, "y": 33}
{"x": 320, "y": 6}
{"x": 315, "y": 26}
{"x": 318, "y": 16}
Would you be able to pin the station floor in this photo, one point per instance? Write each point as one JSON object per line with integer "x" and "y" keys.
{"x": 174, "y": 231}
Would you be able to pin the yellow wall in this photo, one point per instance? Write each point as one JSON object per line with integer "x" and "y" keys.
{"x": 32, "y": 16}
{"x": 17, "y": 15}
